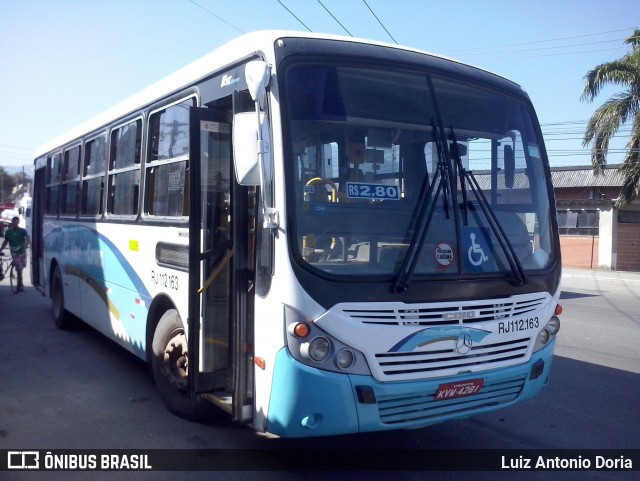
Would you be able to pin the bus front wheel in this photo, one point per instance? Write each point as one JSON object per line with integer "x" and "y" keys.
{"x": 170, "y": 366}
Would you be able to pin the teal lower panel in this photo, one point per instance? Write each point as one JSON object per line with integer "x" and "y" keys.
{"x": 310, "y": 402}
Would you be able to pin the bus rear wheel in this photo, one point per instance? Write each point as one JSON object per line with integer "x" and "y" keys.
{"x": 169, "y": 364}
{"x": 61, "y": 316}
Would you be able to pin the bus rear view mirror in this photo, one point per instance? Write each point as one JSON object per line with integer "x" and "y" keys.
{"x": 248, "y": 149}
{"x": 509, "y": 166}
{"x": 257, "y": 74}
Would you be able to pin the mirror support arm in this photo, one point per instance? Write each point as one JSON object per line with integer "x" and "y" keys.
{"x": 270, "y": 214}
{"x": 258, "y": 75}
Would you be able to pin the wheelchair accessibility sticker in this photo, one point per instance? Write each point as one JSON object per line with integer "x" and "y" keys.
{"x": 476, "y": 246}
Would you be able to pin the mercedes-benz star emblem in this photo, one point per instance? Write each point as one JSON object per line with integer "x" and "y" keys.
{"x": 463, "y": 343}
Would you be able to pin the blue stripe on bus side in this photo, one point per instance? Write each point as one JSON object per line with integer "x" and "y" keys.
{"x": 110, "y": 269}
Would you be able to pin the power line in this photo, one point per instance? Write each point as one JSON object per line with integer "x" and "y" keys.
{"x": 217, "y": 16}
{"x": 494, "y": 50}
{"x": 520, "y": 57}
{"x": 381, "y": 24}
{"x": 294, "y": 16}
{"x": 333, "y": 16}
{"x": 574, "y": 130}
{"x": 545, "y": 41}
{"x": 620, "y": 40}
{"x": 14, "y": 157}
{"x": 16, "y": 147}
{"x": 564, "y": 122}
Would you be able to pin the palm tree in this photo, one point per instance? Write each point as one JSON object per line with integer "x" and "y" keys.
{"x": 616, "y": 111}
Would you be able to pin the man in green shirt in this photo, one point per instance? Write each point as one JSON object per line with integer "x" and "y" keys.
{"x": 18, "y": 240}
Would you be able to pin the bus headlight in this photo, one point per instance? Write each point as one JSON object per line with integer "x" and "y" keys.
{"x": 547, "y": 333}
{"x": 345, "y": 359}
{"x": 554, "y": 325}
{"x": 313, "y": 346}
{"x": 318, "y": 349}
{"x": 543, "y": 337}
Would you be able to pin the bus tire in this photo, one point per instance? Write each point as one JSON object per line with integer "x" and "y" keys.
{"x": 169, "y": 367}
{"x": 61, "y": 316}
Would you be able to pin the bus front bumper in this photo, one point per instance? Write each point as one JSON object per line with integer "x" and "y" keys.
{"x": 310, "y": 402}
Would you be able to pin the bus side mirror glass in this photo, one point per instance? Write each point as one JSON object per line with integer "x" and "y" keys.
{"x": 247, "y": 149}
{"x": 509, "y": 166}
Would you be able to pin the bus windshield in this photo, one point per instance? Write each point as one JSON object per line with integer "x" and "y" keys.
{"x": 400, "y": 172}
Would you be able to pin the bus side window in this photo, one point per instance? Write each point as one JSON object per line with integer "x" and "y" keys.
{"x": 52, "y": 183}
{"x": 95, "y": 161}
{"x": 166, "y": 179}
{"x": 70, "y": 177}
{"x": 124, "y": 169}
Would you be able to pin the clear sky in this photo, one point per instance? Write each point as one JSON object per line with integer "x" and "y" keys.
{"x": 64, "y": 61}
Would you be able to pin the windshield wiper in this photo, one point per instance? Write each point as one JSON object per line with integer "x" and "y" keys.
{"x": 426, "y": 207}
{"x": 467, "y": 175}
{"x": 427, "y": 203}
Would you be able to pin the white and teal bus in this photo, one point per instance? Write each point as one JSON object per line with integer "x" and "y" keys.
{"x": 319, "y": 235}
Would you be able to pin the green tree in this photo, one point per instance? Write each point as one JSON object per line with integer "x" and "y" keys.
{"x": 7, "y": 183}
{"x": 618, "y": 110}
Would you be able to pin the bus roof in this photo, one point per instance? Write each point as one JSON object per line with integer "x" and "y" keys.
{"x": 238, "y": 48}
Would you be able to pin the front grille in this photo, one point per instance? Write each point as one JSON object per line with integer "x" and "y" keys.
{"x": 415, "y": 407}
{"x": 426, "y": 335}
{"x": 444, "y": 314}
{"x": 427, "y": 362}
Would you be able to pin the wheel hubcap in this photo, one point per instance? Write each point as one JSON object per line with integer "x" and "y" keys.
{"x": 176, "y": 364}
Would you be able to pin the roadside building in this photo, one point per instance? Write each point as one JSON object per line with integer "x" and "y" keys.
{"x": 593, "y": 232}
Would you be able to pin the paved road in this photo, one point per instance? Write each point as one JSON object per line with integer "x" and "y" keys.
{"x": 602, "y": 324}
{"x": 74, "y": 389}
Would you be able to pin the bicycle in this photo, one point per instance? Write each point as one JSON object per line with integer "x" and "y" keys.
{"x": 6, "y": 264}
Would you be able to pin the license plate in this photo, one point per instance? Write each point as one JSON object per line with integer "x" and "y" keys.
{"x": 452, "y": 390}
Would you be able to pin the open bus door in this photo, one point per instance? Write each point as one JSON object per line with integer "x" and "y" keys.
{"x": 218, "y": 356}
{"x": 37, "y": 224}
